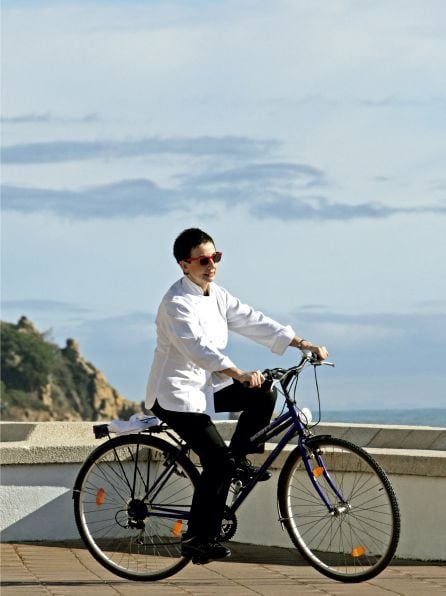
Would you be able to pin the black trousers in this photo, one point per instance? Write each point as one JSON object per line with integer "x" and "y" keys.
{"x": 218, "y": 460}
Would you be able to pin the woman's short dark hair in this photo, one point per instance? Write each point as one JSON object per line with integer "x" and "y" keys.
{"x": 187, "y": 240}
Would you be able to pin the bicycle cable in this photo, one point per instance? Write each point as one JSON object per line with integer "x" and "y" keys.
{"x": 318, "y": 398}
{"x": 293, "y": 388}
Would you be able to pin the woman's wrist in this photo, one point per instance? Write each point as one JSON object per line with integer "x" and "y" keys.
{"x": 302, "y": 344}
{"x": 233, "y": 372}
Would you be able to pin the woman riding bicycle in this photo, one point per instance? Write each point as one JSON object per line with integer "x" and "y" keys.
{"x": 191, "y": 374}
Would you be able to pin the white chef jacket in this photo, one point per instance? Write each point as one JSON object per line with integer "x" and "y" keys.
{"x": 192, "y": 334}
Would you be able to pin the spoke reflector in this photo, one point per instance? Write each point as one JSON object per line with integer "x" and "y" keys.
{"x": 100, "y": 496}
{"x": 318, "y": 471}
{"x": 177, "y": 527}
{"x": 358, "y": 551}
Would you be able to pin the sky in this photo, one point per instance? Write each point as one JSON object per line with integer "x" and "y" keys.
{"x": 307, "y": 138}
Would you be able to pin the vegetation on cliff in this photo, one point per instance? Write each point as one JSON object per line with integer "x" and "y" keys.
{"x": 40, "y": 381}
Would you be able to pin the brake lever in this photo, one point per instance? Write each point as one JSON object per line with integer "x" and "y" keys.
{"x": 308, "y": 354}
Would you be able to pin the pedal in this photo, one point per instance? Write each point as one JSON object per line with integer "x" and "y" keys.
{"x": 236, "y": 487}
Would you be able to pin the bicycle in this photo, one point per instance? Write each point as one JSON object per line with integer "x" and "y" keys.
{"x": 133, "y": 494}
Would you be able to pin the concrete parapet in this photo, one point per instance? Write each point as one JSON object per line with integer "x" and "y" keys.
{"x": 375, "y": 435}
{"x": 40, "y": 462}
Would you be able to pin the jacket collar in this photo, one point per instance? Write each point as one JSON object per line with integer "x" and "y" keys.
{"x": 193, "y": 288}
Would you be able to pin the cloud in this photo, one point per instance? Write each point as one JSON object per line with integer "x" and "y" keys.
{"x": 328, "y": 100}
{"x": 257, "y": 175}
{"x": 369, "y": 350}
{"x": 250, "y": 183}
{"x": 384, "y": 342}
{"x": 376, "y": 355}
{"x": 432, "y": 305}
{"x": 320, "y": 208}
{"x": 401, "y": 102}
{"x": 47, "y": 117}
{"x": 406, "y": 323}
{"x": 132, "y": 329}
{"x": 43, "y": 306}
{"x": 438, "y": 184}
{"x": 64, "y": 151}
{"x": 367, "y": 345}
{"x": 26, "y": 118}
{"x": 268, "y": 190}
{"x": 126, "y": 198}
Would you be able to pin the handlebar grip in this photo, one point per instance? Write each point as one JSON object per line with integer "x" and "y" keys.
{"x": 314, "y": 359}
{"x": 267, "y": 376}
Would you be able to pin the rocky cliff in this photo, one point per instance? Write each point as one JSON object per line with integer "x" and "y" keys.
{"x": 40, "y": 381}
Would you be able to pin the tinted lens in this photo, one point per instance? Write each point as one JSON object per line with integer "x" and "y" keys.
{"x": 216, "y": 258}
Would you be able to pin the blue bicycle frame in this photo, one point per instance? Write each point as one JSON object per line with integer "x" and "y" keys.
{"x": 291, "y": 423}
{"x": 292, "y": 420}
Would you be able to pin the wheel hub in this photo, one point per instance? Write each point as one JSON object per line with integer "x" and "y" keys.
{"x": 341, "y": 509}
{"x": 137, "y": 512}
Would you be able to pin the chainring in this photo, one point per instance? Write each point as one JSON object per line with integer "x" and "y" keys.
{"x": 228, "y": 525}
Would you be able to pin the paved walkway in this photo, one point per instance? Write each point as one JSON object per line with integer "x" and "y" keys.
{"x": 66, "y": 569}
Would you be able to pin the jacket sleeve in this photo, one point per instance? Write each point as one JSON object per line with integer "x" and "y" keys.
{"x": 255, "y": 325}
{"x": 185, "y": 333}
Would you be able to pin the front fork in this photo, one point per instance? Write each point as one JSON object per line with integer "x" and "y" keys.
{"x": 318, "y": 471}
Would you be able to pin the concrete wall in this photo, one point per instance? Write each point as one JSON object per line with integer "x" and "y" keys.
{"x": 40, "y": 462}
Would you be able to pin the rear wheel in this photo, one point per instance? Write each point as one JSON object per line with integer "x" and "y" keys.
{"x": 132, "y": 500}
{"x": 356, "y": 535}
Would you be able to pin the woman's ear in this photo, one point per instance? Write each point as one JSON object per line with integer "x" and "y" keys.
{"x": 184, "y": 266}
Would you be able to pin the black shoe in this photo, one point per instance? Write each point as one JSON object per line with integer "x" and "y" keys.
{"x": 202, "y": 551}
{"x": 244, "y": 471}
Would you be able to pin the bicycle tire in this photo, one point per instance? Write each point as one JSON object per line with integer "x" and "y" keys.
{"x": 133, "y": 535}
{"x": 358, "y": 538}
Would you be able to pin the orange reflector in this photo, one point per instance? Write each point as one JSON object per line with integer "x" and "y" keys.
{"x": 318, "y": 471}
{"x": 177, "y": 527}
{"x": 100, "y": 497}
{"x": 358, "y": 551}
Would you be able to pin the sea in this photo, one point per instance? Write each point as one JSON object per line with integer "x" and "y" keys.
{"x": 435, "y": 417}
{"x": 414, "y": 417}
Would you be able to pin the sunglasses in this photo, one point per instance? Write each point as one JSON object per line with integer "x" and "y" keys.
{"x": 204, "y": 261}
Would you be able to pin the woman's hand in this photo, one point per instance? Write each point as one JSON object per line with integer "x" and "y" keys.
{"x": 253, "y": 379}
{"x": 320, "y": 352}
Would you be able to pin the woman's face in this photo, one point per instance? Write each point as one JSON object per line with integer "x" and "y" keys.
{"x": 202, "y": 275}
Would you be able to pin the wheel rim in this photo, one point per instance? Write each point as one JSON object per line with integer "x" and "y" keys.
{"x": 132, "y": 534}
{"x": 358, "y": 537}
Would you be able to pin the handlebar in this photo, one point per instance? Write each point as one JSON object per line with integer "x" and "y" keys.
{"x": 311, "y": 358}
{"x": 277, "y": 374}
{"x": 308, "y": 358}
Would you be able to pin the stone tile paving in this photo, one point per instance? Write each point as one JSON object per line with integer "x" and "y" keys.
{"x": 69, "y": 570}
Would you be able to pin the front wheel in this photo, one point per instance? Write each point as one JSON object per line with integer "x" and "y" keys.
{"x": 132, "y": 500}
{"x": 341, "y": 511}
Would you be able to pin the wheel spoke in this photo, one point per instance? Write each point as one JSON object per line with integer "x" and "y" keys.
{"x": 130, "y": 533}
{"x": 358, "y": 537}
